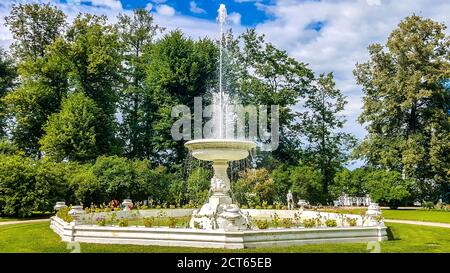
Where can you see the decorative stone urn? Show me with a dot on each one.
(373, 213)
(219, 212)
(77, 213)
(127, 204)
(59, 205)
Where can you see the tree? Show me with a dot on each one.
(254, 187)
(388, 188)
(8, 75)
(179, 70)
(349, 182)
(307, 184)
(281, 176)
(136, 35)
(43, 84)
(327, 147)
(198, 184)
(28, 185)
(30, 105)
(73, 133)
(94, 56)
(261, 74)
(406, 103)
(34, 27)
(85, 186)
(116, 177)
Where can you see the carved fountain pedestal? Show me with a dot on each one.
(219, 212)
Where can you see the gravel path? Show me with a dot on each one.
(420, 223)
(23, 222)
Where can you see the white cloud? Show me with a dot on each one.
(165, 10)
(114, 4)
(235, 18)
(149, 6)
(349, 26)
(195, 9)
(374, 2)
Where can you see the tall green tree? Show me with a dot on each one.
(73, 133)
(44, 83)
(136, 34)
(94, 56)
(406, 104)
(8, 75)
(42, 73)
(179, 70)
(307, 184)
(34, 27)
(261, 74)
(327, 146)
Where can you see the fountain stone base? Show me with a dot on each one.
(220, 212)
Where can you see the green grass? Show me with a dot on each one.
(418, 215)
(38, 237)
(36, 215)
(405, 214)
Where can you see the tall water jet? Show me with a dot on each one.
(220, 212)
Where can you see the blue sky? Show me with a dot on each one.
(204, 9)
(328, 35)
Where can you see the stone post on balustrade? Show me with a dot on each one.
(374, 215)
(77, 213)
(59, 205)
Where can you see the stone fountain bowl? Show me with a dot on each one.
(220, 149)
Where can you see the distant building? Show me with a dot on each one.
(349, 201)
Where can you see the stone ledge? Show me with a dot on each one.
(213, 238)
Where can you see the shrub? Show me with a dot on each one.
(264, 204)
(388, 188)
(148, 221)
(275, 220)
(287, 223)
(262, 224)
(307, 183)
(123, 222)
(197, 184)
(101, 221)
(197, 225)
(27, 185)
(352, 221)
(278, 206)
(253, 187)
(113, 218)
(331, 223)
(63, 214)
(309, 223)
(173, 222)
(427, 205)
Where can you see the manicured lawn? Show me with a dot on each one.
(36, 215)
(418, 215)
(38, 237)
(406, 214)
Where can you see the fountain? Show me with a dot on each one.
(220, 223)
(219, 212)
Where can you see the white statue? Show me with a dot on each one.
(290, 200)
